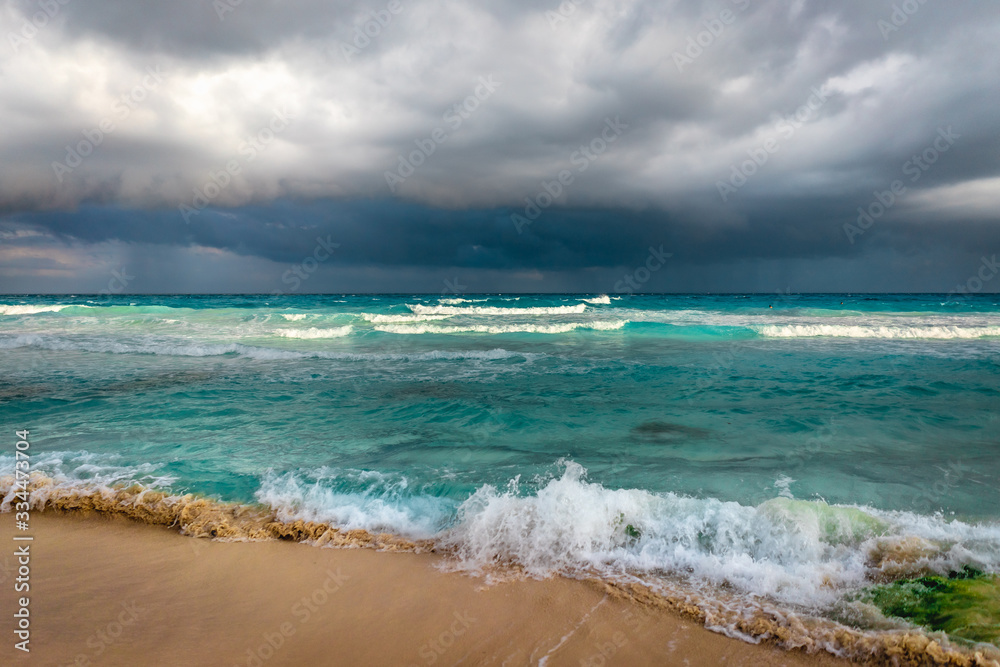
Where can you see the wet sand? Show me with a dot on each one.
(109, 591)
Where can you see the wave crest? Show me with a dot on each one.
(313, 332)
(496, 310)
(33, 310)
(873, 331)
(565, 327)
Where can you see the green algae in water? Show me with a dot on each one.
(834, 524)
(632, 534)
(965, 604)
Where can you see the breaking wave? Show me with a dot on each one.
(502, 328)
(775, 570)
(313, 332)
(32, 310)
(496, 310)
(874, 331)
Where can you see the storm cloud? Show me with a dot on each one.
(536, 147)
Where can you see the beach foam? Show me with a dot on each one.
(355, 499)
(659, 549)
(805, 553)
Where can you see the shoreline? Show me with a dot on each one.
(108, 590)
(190, 518)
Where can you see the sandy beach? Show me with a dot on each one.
(108, 591)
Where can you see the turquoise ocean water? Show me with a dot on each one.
(720, 439)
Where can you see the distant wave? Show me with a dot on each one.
(565, 327)
(604, 299)
(455, 302)
(32, 310)
(313, 332)
(872, 331)
(294, 317)
(394, 319)
(494, 310)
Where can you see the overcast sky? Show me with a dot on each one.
(412, 145)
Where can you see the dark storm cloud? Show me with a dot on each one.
(309, 116)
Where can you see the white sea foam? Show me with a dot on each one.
(336, 332)
(353, 499)
(835, 324)
(294, 317)
(495, 310)
(797, 552)
(32, 310)
(876, 331)
(396, 319)
(604, 299)
(455, 302)
(84, 471)
(800, 552)
(564, 327)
